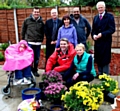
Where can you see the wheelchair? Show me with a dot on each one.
(6, 90)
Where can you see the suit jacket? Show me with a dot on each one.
(102, 46)
(49, 30)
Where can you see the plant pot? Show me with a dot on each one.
(29, 93)
(118, 101)
(56, 101)
(56, 108)
(116, 109)
(42, 86)
(109, 97)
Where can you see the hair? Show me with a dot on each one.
(54, 10)
(76, 8)
(35, 7)
(64, 39)
(66, 17)
(100, 3)
(80, 45)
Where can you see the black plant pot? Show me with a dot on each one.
(42, 86)
(108, 97)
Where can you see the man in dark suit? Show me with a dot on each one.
(51, 29)
(102, 29)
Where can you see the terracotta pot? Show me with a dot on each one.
(118, 101)
(116, 109)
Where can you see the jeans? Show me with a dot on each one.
(36, 49)
(26, 72)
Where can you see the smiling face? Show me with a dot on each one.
(76, 13)
(63, 45)
(80, 48)
(67, 22)
(54, 14)
(101, 9)
(36, 13)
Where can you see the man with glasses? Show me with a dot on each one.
(62, 57)
(33, 33)
(82, 26)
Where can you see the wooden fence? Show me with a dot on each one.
(9, 25)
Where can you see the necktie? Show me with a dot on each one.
(100, 16)
(54, 30)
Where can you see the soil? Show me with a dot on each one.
(114, 65)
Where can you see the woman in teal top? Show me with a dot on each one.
(82, 68)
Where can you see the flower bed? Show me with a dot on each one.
(114, 65)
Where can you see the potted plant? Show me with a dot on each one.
(110, 87)
(54, 92)
(52, 77)
(82, 96)
(109, 84)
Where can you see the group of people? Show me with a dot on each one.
(66, 42)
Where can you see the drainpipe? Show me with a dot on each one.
(16, 26)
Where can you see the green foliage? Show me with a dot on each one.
(1, 56)
(3, 46)
(8, 4)
(89, 44)
(109, 3)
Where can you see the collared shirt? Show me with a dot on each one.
(102, 14)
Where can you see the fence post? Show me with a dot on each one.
(16, 26)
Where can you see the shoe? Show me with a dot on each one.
(19, 81)
(26, 81)
(36, 74)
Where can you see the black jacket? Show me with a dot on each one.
(102, 46)
(33, 30)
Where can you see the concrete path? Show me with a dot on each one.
(11, 104)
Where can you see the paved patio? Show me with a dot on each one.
(11, 103)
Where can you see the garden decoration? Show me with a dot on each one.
(82, 96)
(54, 92)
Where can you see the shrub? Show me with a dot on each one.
(1, 56)
(3, 46)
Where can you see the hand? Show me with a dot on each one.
(95, 37)
(99, 35)
(75, 76)
(53, 42)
